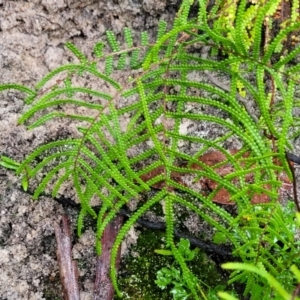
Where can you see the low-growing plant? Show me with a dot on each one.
(241, 83)
(172, 275)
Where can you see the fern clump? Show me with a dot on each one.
(116, 163)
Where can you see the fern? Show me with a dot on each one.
(161, 98)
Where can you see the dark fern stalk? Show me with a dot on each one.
(98, 163)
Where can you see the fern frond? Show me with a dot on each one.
(274, 44)
(258, 25)
(79, 68)
(133, 218)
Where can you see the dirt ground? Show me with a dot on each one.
(32, 37)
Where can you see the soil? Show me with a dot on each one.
(32, 38)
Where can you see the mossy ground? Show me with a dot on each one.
(138, 270)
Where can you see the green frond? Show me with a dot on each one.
(57, 102)
(60, 181)
(162, 26)
(183, 12)
(109, 61)
(268, 9)
(286, 59)
(185, 270)
(77, 53)
(128, 37)
(84, 201)
(240, 32)
(112, 41)
(288, 120)
(122, 61)
(294, 11)
(64, 144)
(68, 85)
(73, 68)
(98, 49)
(18, 87)
(134, 59)
(169, 219)
(278, 39)
(144, 38)
(125, 228)
(50, 176)
(149, 120)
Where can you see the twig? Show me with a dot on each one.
(292, 158)
(103, 289)
(67, 267)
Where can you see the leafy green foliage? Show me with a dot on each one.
(108, 160)
(173, 276)
(280, 292)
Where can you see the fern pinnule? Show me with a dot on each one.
(287, 59)
(45, 101)
(226, 217)
(162, 26)
(46, 180)
(144, 38)
(148, 120)
(287, 122)
(77, 53)
(134, 59)
(98, 49)
(122, 61)
(63, 178)
(128, 37)
(284, 60)
(169, 219)
(64, 144)
(58, 102)
(84, 201)
(214, 35)
(153, 56)
(73, 68)
(109, 62)
(183, 13)
(13, 86)
(240, 28)
(50, 116)
(112, 41)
